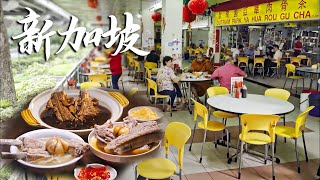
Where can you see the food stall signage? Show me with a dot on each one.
(276, 11)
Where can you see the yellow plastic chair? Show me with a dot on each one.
(206, 125)
(147, 74)
(132, 91)
(219, 90)
(137, 70)
(277, 68)
(280, 94)
(253, 128)
(150, 65)
(305, 57)
(176, 134)
(257, 61)
(103, 79)
(295, 60)
(296, 132)
(243, 60)
(86, 85)
(290, 74)
(153, 85)
(130, 64)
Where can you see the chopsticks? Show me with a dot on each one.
(12, 142)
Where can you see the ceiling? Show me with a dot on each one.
(113, 7)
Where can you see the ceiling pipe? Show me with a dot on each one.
(55, 9)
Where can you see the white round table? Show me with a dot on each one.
(192, 78)
(253, 104)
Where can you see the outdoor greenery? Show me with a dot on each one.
(32, 75)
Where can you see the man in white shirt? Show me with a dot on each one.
(236, 53)
(272, 61)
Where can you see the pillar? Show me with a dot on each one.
(147, 30)
(171, 25)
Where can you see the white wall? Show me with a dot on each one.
(224, 37)
(198, 34)
(254, 37)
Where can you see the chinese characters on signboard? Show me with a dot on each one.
(276, 11)
(32, 37)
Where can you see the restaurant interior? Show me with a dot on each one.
(212, 97)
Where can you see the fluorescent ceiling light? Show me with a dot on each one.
(156, 6)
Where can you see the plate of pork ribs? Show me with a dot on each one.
(75, 111)
(46, 148)
(122, 142)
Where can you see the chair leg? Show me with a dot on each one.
(297, 156)
(285, 83)
(265, 153)
(275, 147)
(272, 161)
(180, 174)
(240, 160)
(227, 142)
(297, 87)
(302, 84)
(135, 173)
(194, 130)
(284, 123)
(305, 148)
(291, 84)
(215, 140)
(204, 139)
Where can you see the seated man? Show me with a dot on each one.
(153, 57)
(272, 62)
(224, 73)
(200, 65)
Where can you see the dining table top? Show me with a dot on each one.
(192, 78)
(309, 70)
(253, 104)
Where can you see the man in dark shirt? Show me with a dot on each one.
(153, 57)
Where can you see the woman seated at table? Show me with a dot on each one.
(200, 64)
(166, 79)
(224, 73)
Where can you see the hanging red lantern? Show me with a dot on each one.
(198, 6)
(156, 16)
(98, 18)
(92, 3)
(187, 16)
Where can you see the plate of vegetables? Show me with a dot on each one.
(94, 172)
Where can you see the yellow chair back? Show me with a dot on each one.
(278, 93)
(100, 59)
(259, 122)
(200, 110)
(150, 65)
(132, 91)
(86, 85)
(302, 56)
(243, 60)
(152, 85)
(295, 60)
(258, 60)
(177, 134)
(301, 120)
(107, 51)
(314, 66)
(148, 72)
(278, 63)
(100, 78)
(290, 69)
(137, 66)
(130, 61)
(217, 90)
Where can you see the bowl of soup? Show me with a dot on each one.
(39, 155)
(74, 110)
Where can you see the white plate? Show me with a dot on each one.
(154, 109)
(48, 133)
(113, 172)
